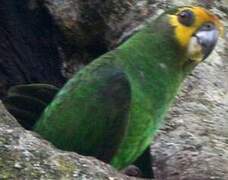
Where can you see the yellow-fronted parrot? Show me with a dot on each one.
(112, 108)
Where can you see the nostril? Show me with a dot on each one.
(208, 27)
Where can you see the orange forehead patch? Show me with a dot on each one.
(201, 16)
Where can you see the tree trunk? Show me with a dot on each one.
(29, 46)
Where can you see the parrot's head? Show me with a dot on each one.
(195, 29)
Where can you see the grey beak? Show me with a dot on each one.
(207, 37)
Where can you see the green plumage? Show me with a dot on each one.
(112, 107)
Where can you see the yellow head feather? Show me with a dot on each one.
(201, 16)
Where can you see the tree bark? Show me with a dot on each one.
(193, 143)
(29, 46)
(24, 155)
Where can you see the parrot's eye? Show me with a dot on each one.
(186, 17)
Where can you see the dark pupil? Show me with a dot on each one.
(186, 18)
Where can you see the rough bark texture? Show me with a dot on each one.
(194, 142)
(28, 48)
(192, 145)
(94, 26)
(25, 156)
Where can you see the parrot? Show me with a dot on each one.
(112, 108)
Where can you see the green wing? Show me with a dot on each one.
(89, 115)
(27, 102)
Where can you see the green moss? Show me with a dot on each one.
(5, 172)
(66, 167)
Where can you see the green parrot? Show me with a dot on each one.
(112, 108)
